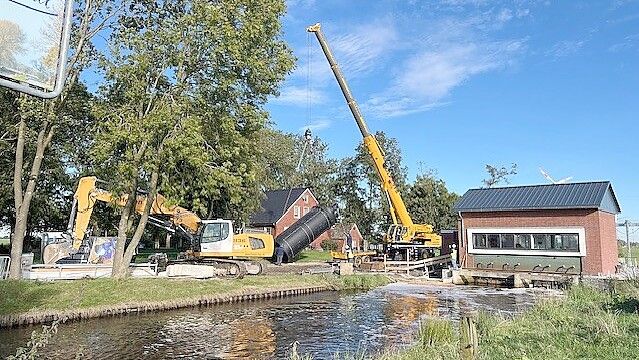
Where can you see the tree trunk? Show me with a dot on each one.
(124, 253)
(23, 200)
(123, 228)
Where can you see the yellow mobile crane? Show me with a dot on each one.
(212, 241)
(403, 233)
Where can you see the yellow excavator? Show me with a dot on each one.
(420, 239)
(212, 241)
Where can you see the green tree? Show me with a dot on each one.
(290, 160)
(36, 121)
(497, 175)
(359, 191)
(351, 194)
(430, 202)
(182, 106)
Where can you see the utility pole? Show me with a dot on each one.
(628, 240)
(628, 224)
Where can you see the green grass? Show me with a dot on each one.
(588, 324)
(314, 256)
(634, 251)
(32, 296)
(4, 241)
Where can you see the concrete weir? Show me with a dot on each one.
(512, 279)
(44, 317)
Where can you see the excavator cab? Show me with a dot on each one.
(216, 236)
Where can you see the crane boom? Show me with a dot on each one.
(404, 230)
(399, 213)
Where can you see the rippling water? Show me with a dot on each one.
(322, 324)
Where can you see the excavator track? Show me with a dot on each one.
(211, 267)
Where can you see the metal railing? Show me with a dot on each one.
(408, 265)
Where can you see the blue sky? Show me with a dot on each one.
(464, 83)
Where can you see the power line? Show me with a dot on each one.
(32, 8)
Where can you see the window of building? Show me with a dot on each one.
(306, 210)
(522, 241)
(296, 212)
(568, 242)
(479, 241)
(507, 241)
(493, 241)
(542, 241)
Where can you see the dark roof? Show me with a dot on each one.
(587, 195)
(273, 206)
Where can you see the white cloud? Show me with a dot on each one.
(454, 50)
(629, 42)
(360, 49)
(357, 53)
(301, 3)
(565, 48)
(317, 125)
(505, 15)
(299, 96)
(389, 106)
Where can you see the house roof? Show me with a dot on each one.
(586, 195)
(273, 206)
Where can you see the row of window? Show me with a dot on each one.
(554, 242)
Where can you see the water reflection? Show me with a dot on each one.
(322, 324)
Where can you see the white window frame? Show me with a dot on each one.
(296, 211)
(306, 210)
(581, 233)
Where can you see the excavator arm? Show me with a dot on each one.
(87, 194)
(403, 228)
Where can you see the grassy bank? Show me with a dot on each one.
(314, 256)
(588, 324)
(18, 297)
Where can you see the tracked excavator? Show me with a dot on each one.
(403, 236)
(212, 242)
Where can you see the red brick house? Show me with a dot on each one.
(336, 233)
(555, 228)
(282, 208)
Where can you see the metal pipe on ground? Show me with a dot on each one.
(303, 232)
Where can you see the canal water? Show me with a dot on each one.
(322, 324)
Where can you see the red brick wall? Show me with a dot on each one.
(289, 217)
(601, 240)
(609, 249)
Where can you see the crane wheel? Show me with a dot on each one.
(357, 261)
(366, 259)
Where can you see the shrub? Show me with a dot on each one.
(329, 245)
